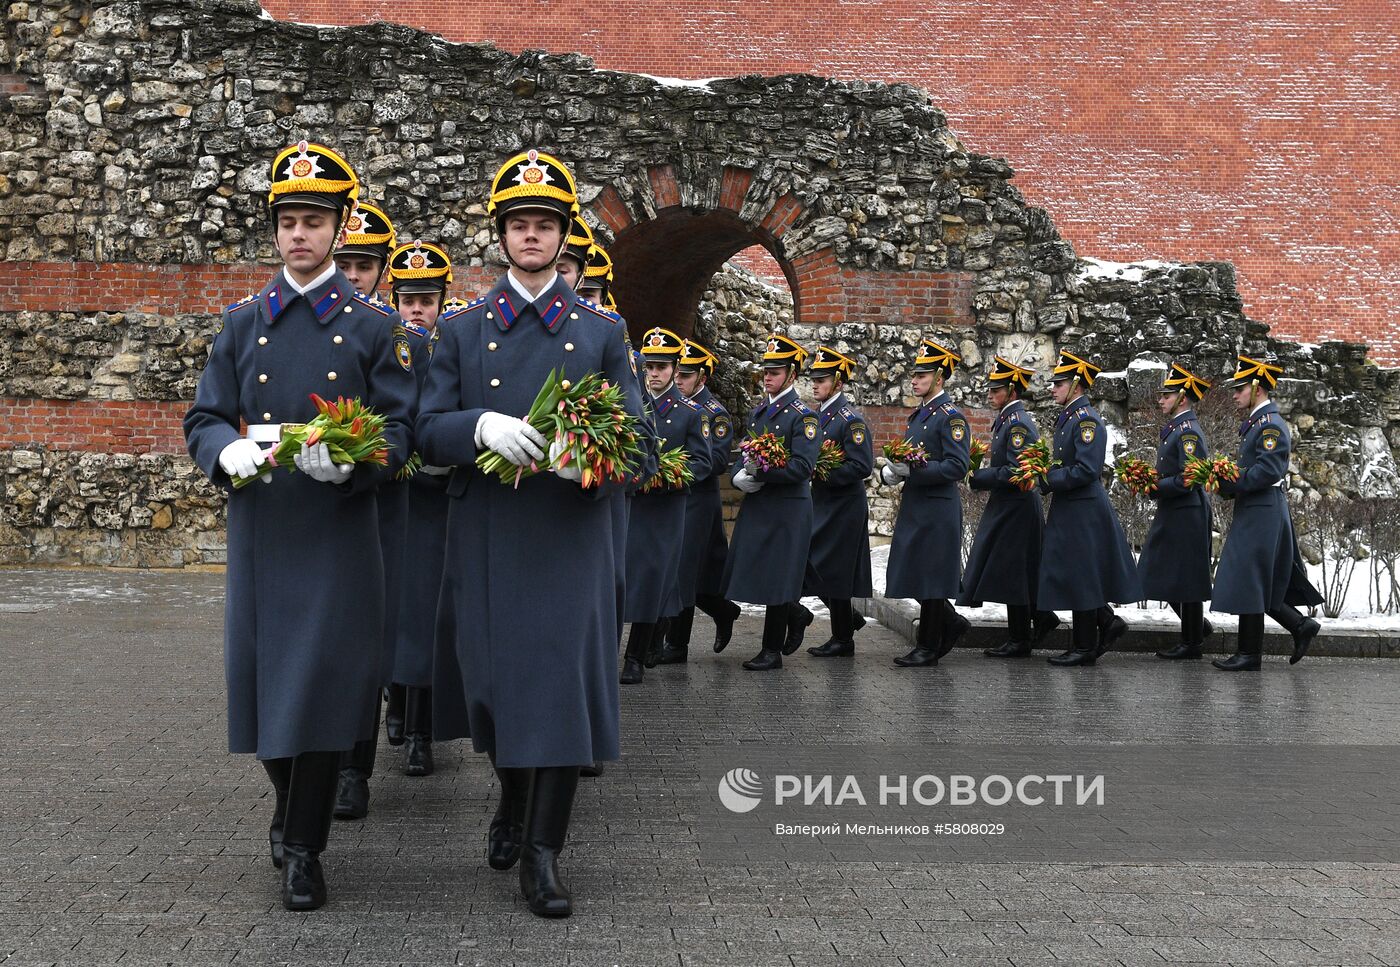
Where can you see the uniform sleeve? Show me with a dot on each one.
(1188, 445)
(860, 457)
(617, 368)
(392, 393)
(1271, 449)
(697, 444)
(802, 449)
(445, 432)
(212, 421)
(952, 468)
(721, 445)
(1083, 469)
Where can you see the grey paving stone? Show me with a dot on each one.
(130, 836)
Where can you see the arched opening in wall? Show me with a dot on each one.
(663, 266)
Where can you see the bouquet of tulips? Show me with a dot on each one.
(1032, 465)
(902, 451)
(591, 418)
(977, 451)
(1209, 472)
(1137, 475)
(351, 431)
(764, 452)
(672, 472)
(830, 457)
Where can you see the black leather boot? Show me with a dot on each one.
(857, 620)
(676, 649)
(418, 723)
(1192, 632)
(724, 613)
(1302, 628)
(1084, 635)
(638, 640)
(842, 643)
(927, 639)
(798, 620)
(310, 799)
(393, 714)
(1018, 629)
(546, 828)
(775, 631)
(593, 770)
(1249, 646)
(280, 772)
(508, 825)
(1111, 628)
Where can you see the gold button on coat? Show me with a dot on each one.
(262, 340)
(262, 377)
(267, 417)
(495, 382)
(330, 375)
(491, 346)
(568, 347)
(338, 340)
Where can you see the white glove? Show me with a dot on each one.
(571, 472)
(512, 438)
(744, 481)
(317, 464)
(888, 475)
(242, 458)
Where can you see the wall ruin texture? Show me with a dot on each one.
(133, 151)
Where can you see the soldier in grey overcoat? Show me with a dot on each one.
(656, 523)
(706, 547)
(768, 556)
(528, 618)
(839, 557)
(1174, 565)
(1004, 564)
(1261, 571)
(305, 598)
(1086, 563)
(420, 272)
(926, 552)
(363, 257)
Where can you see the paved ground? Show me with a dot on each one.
(128, 835)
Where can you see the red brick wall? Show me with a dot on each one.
(1261, 133)
(103, 427)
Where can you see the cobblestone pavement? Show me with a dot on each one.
(128, 835)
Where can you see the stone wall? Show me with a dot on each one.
(133, 151)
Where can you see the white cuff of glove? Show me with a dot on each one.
(570, 472)
(888, 476)
(512, 438)
(317, 464)
(242, 458)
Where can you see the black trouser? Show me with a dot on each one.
(1251, 634)
(1288, 617)
(775, 624)
(1086, 627)
(1018, 623)
(361, 755)
(639, 640)
(843, 618)
(1193, 620)
(418, 711)
(310, 798)
(679, 632)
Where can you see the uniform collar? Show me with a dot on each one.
(1005, 412)
(505, 302)
(303, 289)
(702, 395)
(782, 397)
(524, 293)
(837, 398)
(326, 295)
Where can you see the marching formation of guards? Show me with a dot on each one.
(441, 617)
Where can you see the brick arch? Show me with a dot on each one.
(672, 239)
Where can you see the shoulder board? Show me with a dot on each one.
(690, 403)
(1015, 417)
(414, 328)
(456, 311)
(598, 310)
(247, 300)
(847, 412)
(1084, 411)
(714, 406)
(383, 310)
(801, 407)
(950, 409)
